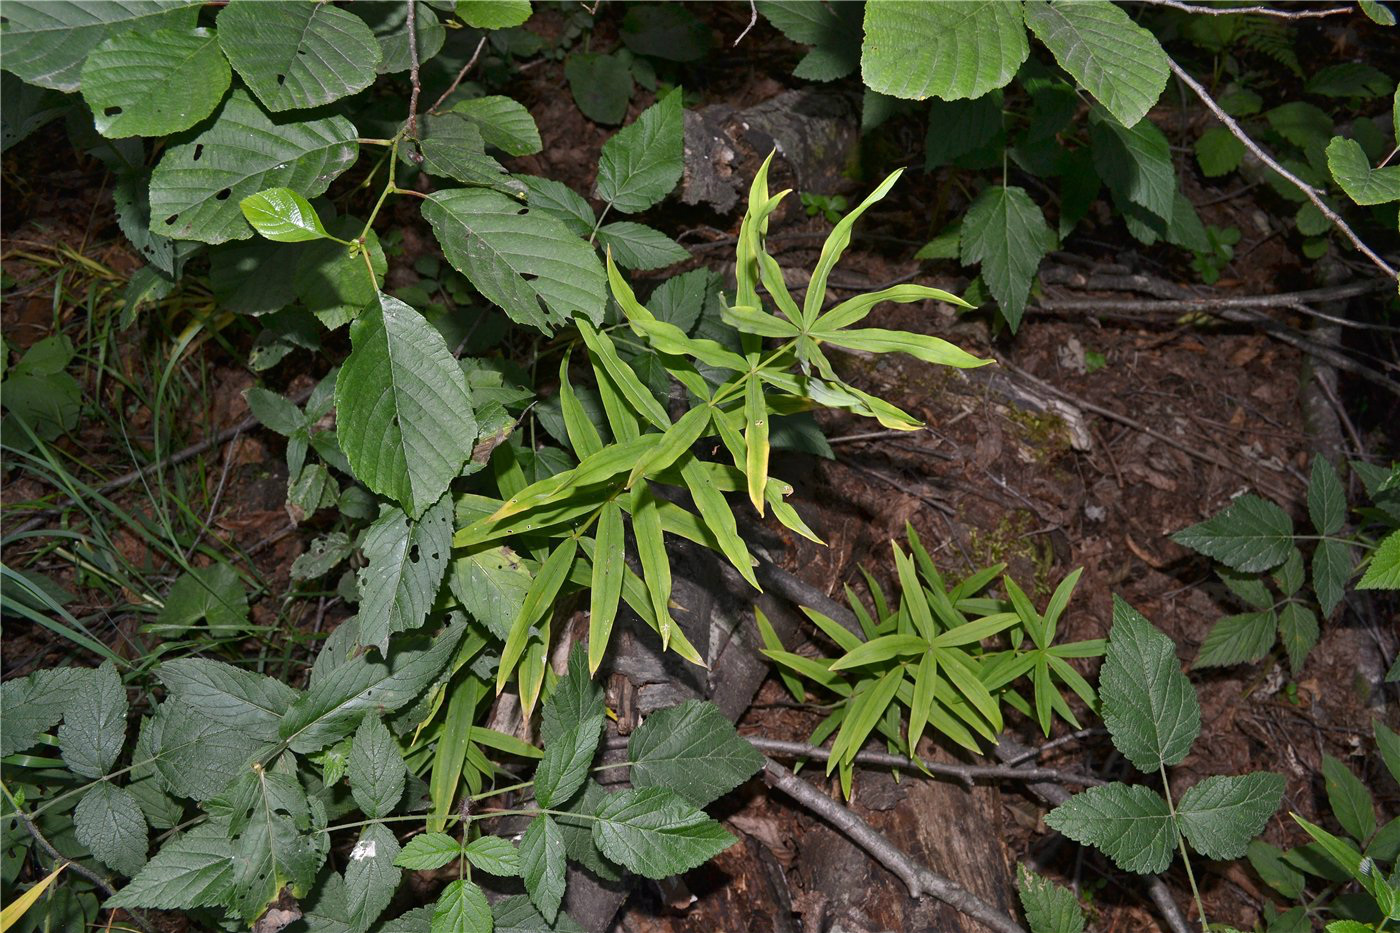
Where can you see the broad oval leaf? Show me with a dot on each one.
(1149, 706)
(462, 908)
(1347, 162)
(282, 215)
(642, 163)
(194, 870)
(197, 187)
(1250, 535)
(376, 769)
(542, 864)
(656, 833)
(527, 263)
(1131, 824)
(1220, 815)
(504, 123)
(403, 414)
(296, 55)
(951, 49)
(693, 750)
(94, 724)
(186, 66)
(109, 822)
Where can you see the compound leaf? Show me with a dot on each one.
(564, 767)
(1250, 535)
(406, 561)
(656, 833)
(950, 50)
(1220, 815)
(1331, 567)
(642, 162)
(298, 55)
(1005, 231)
(637, 246)
(462, 908)
(427, 851)
(30, 706)
(403, 414)
(1149, 706)
(1238, 639)
(1131, 824)
(185, 64)
(693, 750)
(1297, 629)
(1327, 502)
(493, 855)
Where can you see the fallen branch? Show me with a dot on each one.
(918, 878)
(968, 774)
(1256, 10)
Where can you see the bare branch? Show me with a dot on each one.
(413, 76)
(460, 75)
(965, 773)
(1257, 10)
(916, 877)
(1308, 191)
(753, 20)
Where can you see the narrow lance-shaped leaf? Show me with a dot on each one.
(539, 601)
(756, 444)
(651, 551)
(607, 582)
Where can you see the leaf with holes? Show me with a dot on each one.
(187, 66)
(197, 187)
(298, 55)
(527, 263)
(406, 560)
(403, 414)
(915, 50)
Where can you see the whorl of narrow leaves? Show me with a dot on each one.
(1149, 706)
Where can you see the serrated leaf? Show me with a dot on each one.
(213, 594)
(834, 31)
(1132, 825)
(491, 584)
(493, 14)
(406, 560)
(250, 702)
(693, 750)
(427, 851)
(94, 724)
(388, 20)
(109, 822)
(298, 55)
(518, 261)
(1218, 152)
(1238, 639)
(1347, 162)
(504, 123)
(1327, 502)
(252, 276)
(564, 767)
(1250, 535)
(1349, 799)
(1049, 907)
(1149, 706)
(30, 706)
(403, 414)
(1297, 629)
(655, 833)
(1136, 163)
(321, 556)
(371, 877)
(333, 706)
(576, 698)
(642, 162)
(950, 50)
(1331, 567)
(559, 200)
(47, 41)
(1383, 572)
(542, 865)
(197, 186)
(1388, 744)
(282, 215)
(193, 870)
(199, 756)
(1268, 862)
(959, 127)
(376, 769)
(185, 64)
(462, 908)
(637, 246)
(1005, 231)
(1111, 57)
(270, 824)
(494, 855)
(601, 85)
(1220, 815)
(516, 915)
(454, 147)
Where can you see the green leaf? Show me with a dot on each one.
(666, 31)
(493, 14)
(560, 201)
(282, 215)
(250, 702)
(642, 162)
(454, 147)
(1238, 639)
(333, 706)
(46, 42)
(601, 85)
(30, 706)
(1268, 862)
(1349, 799)
(370, 876)
(197, 186)
(1218, 152)
(1130, 824)
(606, 588)
(564, 767)
(693, 750)
(214, 594)
(1327, 502)
(504, 123)
(651, 553)
(493, 855)
(428, 851)
(1350, 79)
(270, 823)
(882, 649)
(1388, 744)
(833, 30)
(94, 724)
(950, 50)
(1250, 535)
(192, 870)
(934, 350)
(118, 77)
(518, 260)
(959, 127)
(388, 20)
(1297, 629)
(515, 914)
(655, 833)
(1111, 57)
(1351, 168)
(406, 560)
(1149, 706)
(462, 908)
(1331, 565)
(109, 822)
(1136, 163)
(1005, 231)
(1220, 815)
(298, 55)
(1383, 572)
(491, 584)
(200, 756)
(1377, 12)
(637, 246)
(403, 414)
(332, 281)
(1049, 907)
(376, 769)
(542, 865)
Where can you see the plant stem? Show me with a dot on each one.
(1181, 846)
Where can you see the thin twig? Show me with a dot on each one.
(1257, 10)
(1308, 190)
(968, 774)
(753, 21)
(413, 75)
(1182, 305)
(460, 75)
(918, 878)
